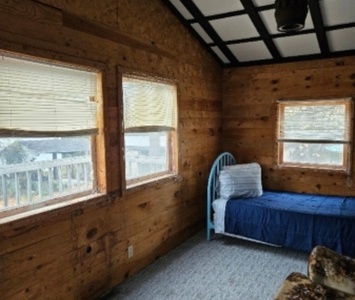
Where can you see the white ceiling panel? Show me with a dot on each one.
(182, 9)
(268, 17)
(234, 28)
(214, 7)
(297, 45)
(220, 54)
(244, 32)
(202, 33)
(337, 11)
(342, 39)
(250, 51)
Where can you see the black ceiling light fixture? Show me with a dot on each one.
(290, 15)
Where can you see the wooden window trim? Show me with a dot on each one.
(97, 141)
(160, 177)
(346, 165)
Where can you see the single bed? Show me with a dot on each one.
(293, 220)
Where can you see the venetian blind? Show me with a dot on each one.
(149, 106)
(318, 121)
(38, 99)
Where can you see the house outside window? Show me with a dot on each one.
(150, 135)
(315, 134)
(48, 120)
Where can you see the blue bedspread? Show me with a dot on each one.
(297, 221)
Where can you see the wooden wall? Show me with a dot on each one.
(249, 117)
(79, 251)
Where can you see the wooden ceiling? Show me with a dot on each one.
(243, 32)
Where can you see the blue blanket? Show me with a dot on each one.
(297, 221)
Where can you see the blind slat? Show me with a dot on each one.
(313, 141)
(327, 121)
(39, 133)
(148, 106)
(40, 99)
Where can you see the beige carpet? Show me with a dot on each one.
(224, 268)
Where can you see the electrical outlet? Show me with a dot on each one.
(130, 251)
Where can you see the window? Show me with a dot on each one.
(315, 134)
(149, 108)
(48, 119)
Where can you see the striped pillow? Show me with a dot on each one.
(243, 180)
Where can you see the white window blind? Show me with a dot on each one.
(315, 121)
(38, 99)
(315, 133)
(148, 106)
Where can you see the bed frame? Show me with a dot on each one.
(224, 159)
(333, 217)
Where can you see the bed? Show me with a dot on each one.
(292, 220)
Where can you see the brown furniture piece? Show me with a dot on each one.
(331, 276)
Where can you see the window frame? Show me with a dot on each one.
(96, 140)
(172, 136)
(346, 165)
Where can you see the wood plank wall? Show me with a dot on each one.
(79, 251)
(250, 119)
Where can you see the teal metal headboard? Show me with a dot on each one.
(224, 159)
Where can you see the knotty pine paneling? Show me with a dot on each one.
(79, 250)
(250, 117)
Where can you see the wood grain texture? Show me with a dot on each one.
(90, 27)
(250, 117)
(32, 11)
(79, 250)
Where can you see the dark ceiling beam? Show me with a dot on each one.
(273, 36)
(265, 7)
(199, 17)
(260, 27)
(187, 24)
(252, 11)
(237, 13)
(340, 26)
(243, 41)
(292, 33)
(226, 15)
(309, 57)
(318, 25)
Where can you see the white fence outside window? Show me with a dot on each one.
(28, 183)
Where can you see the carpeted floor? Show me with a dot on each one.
(224, 268)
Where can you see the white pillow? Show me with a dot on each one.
(243, 180)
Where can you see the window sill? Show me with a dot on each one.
(153, 182)
(309, 168)
(11, 215)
